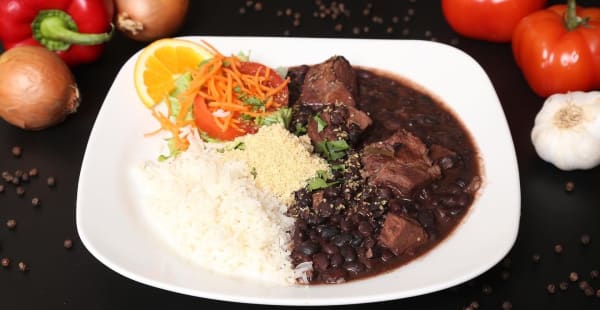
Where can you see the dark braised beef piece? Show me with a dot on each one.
(400, 162)
(328, 95)
(401, 234)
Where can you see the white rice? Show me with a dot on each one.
(211, 212)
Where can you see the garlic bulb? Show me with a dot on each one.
(566, 132)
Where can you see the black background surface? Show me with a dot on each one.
(74, 279)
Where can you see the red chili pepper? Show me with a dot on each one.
(74, 29)
(558, 49)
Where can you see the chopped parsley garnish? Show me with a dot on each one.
(300, 129)
(240, 146)
(321, 124)
(205, 137)
(333, 150)
(320, 181)
(253, 172)
(281, 116)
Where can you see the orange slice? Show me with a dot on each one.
(160, 63)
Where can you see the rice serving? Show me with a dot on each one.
(211, 212)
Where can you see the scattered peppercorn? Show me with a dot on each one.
(505, 275)
(563, 286)
(598, 293)
(558, 248)
(585, 239)
(507, 305)
(67, 244)
(5, 262)
(242, 11)
(16, 151)
(258, 6)
(35, 202)
(20, 190)
(11, 224)
(573, 277)
(51, 181)
(536, 258)
(1, 188)
(551, 288)
(589, 292)
(23, 267)
(474, 304)
(594, 274)
(583, 285)
(33, 172)
(487, 289)
(569, 186)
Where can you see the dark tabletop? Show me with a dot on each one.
(60, 278)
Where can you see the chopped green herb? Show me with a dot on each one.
(320, 181)
(254, 102)
(333, 150)
(239, 146)
(300, 129)
(281, 116)
(253, 172)
(338, 167)
(226, 64)
(321, 124)
(205, 137)
(246, 117)
(237, 89)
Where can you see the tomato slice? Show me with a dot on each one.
(251, 68)
(204, 118)
(205, 121)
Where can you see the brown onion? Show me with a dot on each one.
(37, 89)
(148, 20)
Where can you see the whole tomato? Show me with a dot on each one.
(490, 20)
(558, 49)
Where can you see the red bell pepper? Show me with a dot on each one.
(490, 20)
(558, 49)
(74, 29)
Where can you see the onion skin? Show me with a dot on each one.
(148, 20)
(37, 89)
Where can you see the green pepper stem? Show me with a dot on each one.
(57, 30)
(572, 21)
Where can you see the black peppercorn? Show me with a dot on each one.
(5, 262)
(551, 288)
(67, 244)
(585, 239)
(11, 224)
(558, 248)
(51, 181)
(23, 267)
(569, 186)
(16, 151)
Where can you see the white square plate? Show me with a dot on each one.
(112, 227)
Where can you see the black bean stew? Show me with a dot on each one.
(404, 171)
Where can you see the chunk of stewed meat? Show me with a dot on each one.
(329, 82)
(400, 162)
(401, 234)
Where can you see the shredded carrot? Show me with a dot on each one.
(224, 86)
